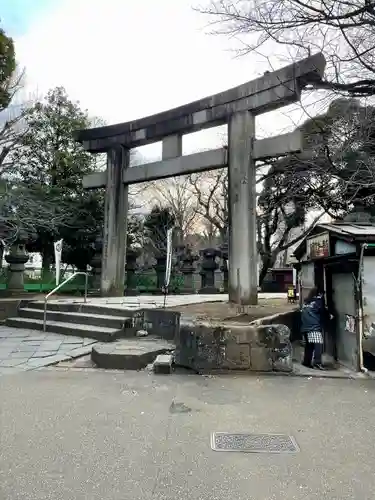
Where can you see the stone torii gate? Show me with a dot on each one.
(236, 107)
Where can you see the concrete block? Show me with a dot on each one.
(128, 354)
(261, 359)
(241, 334)
(163, 363)
(237, 356)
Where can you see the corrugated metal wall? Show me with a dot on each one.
(368, 295)
(345, 306)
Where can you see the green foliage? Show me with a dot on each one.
(50, 161)
(49, 155)
(82, 228)
(7, 68)
(147, 282)
(156, 226)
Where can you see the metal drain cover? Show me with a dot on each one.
(253, 443)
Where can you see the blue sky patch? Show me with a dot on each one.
(17, 15)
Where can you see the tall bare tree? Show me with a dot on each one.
(283, 203)
(175, 195)
(211, 193)
(343, 30)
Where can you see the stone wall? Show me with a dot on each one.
(9, 308)
(260, 346)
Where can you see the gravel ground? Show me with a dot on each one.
(224, 311)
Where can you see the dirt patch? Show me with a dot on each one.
(223, 311)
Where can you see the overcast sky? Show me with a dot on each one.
(124, 59)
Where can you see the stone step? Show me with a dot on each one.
(75, 317)
(129, 354)
(160, 322)
(80, 306)
(100, 333)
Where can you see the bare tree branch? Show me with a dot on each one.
(344, 31)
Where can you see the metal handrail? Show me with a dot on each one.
(58, 288)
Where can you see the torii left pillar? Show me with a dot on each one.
(115, 224)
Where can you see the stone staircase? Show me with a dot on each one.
(104, 324)
(80, 320)
(115, 329)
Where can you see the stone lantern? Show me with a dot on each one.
(17, 259)
(160, 266)
(208, 268)
(187, 268)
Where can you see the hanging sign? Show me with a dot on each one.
(58, 251)
(318, 246)
(168, 266)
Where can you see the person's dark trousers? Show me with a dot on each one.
(313, 349)
(318, 351)
(308, 355)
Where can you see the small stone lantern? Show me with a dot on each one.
(187, 268)
(208, 268)
(17, 259)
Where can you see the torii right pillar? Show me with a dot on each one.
(243, 268)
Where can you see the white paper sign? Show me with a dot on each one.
(58, 251)
(168, 266)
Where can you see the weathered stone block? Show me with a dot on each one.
(276, 338)
(240, 334)
(237, 356)
(206, 346)
(261, 359)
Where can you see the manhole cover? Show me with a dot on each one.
(253, 443)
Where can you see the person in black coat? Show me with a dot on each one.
(314, 316)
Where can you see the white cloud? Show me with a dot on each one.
(124, 59)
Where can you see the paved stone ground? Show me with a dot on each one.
(22, 349)
(85, 434)
(154, 301)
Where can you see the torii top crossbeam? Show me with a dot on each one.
(266, 93)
